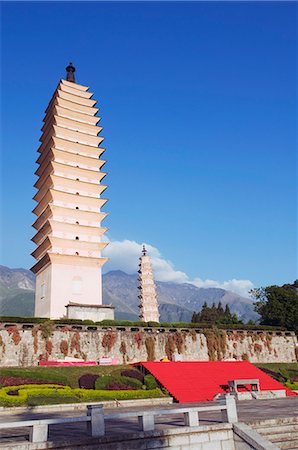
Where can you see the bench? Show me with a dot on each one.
(254, 384)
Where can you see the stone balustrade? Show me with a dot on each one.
(95, 418)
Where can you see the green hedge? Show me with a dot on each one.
(104, 381)
(33, 395)
(293, 386)
(128, 323)
(12, 319)
(150, 382)
(87, 395)
(51, 398)
(28, 389)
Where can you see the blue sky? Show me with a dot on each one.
(199, 107)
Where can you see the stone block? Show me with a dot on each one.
(193, 447)
(146, 423)
(176, 448)
(154, 443)
(182, 440)
(211, 446)
(221, 435)
(191, 419)
(231, 409)
(228, 445)
(198, 437)
(96, 427)
(38, 433)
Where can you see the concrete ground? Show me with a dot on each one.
(248, 411)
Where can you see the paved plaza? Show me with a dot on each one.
(248, 411)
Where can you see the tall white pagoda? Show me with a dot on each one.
(68, 225)
(147, 295)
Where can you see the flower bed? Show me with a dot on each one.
(34, 395)
(16, 381)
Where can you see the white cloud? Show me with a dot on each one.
(124, 255)
(241, 287)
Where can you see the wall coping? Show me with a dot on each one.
(82, 406)
(132, 328)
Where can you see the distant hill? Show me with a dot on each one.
(177, 301)
(16, 292)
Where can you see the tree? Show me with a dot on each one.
(215, 315)
(278, 305)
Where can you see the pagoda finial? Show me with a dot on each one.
(70, 69)
(144, 251)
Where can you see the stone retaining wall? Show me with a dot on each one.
(25, 344)
(206, 437)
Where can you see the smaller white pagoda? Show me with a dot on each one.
(148, 298)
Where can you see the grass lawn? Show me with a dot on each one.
(278, 366)
(285, 373)
(66, 375)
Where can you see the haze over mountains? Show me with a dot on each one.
(177, 301)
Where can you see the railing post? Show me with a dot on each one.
(38, 433)
(191, 419)
(96, 426)
(231, 413)
(146, 423)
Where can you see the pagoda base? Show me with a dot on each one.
(90, 312)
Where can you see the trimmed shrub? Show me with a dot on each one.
(34, 395)
(153, 324)
(293, 386)
(34, 386)
(150, 382)
(133, 373)
(87, 381)
(51, 398)
(117, 382)
(18, 395)
(99, 395)
(126, 323)
(121, 323)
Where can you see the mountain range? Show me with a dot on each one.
(176, 301)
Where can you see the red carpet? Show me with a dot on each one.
(201, 381)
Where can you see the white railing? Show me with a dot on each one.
(95, 418)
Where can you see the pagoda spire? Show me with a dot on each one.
(70, 70)
(68, 231)
(148, 298)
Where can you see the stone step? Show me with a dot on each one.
(276, 429)
(287, 436)
(262, 395)
(287, 445)
(244, 396)
(275, 422)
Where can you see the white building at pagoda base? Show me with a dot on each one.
(69, 232)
